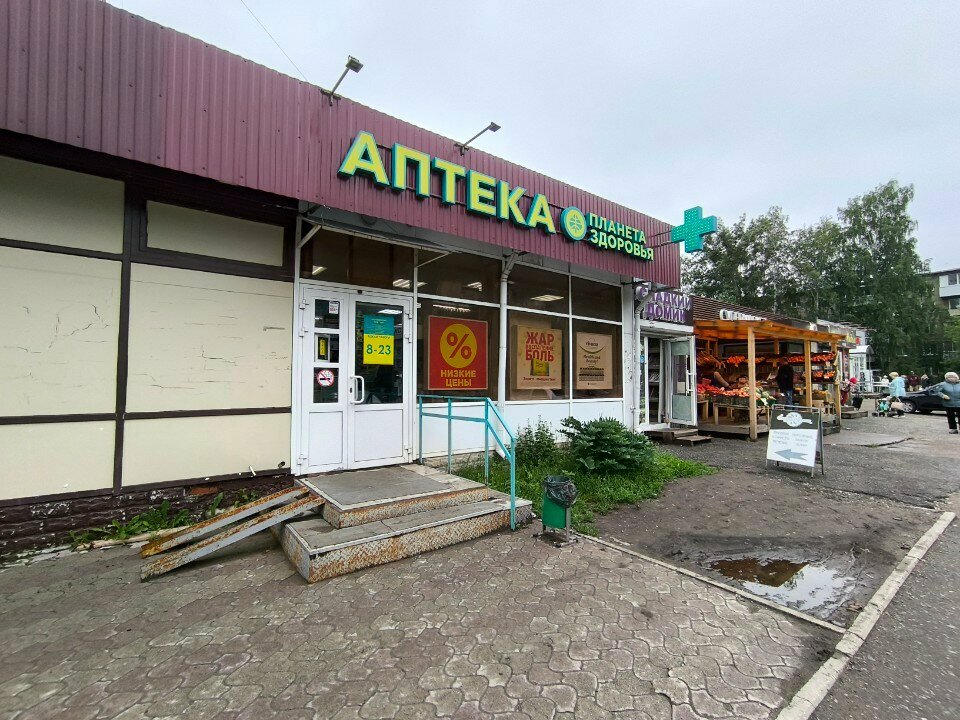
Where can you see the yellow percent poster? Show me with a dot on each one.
(377, 340)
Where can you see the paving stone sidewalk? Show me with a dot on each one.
(502, 627)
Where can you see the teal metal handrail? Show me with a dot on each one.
(488, 407)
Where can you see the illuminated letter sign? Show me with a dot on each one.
(487, 196)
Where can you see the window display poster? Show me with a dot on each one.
(539, 358)
(594, 361)
(457, 354)
(378, 340)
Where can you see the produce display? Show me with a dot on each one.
(741, 359)
(705, 358)
(762, 396)
(821, 358)
(818, 359)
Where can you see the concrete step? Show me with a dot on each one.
(671, 435)
(320, 551)
(853, 414)
(692, 439)
(357, 498)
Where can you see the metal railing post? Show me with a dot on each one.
(513, 487)
(489, 408)
(420, 423)
(450, 435)
(486, 441)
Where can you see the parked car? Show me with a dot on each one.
(923, 401)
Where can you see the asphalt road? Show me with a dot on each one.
(923, 470)
(909, 667)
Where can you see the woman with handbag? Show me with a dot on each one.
(896, 391)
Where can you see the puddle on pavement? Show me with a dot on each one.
(818, 588)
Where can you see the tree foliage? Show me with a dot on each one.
(861, 267)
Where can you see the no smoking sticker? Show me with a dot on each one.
(325, 378)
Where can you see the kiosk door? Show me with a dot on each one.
(682, 379)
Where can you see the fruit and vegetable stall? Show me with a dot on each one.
(815, 372)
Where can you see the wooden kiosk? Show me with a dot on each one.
(715, 332)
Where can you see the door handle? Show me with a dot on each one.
(361, 389)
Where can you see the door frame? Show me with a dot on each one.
(355, 293)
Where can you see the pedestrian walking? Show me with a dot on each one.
(924, 381)
(950, 392)
(785, 382)
(896, 391)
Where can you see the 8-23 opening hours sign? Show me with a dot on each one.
(457, 354)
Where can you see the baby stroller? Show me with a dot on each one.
(883, 407)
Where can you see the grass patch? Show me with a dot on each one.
(154, 519)
(599, 493)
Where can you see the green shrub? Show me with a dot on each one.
(606, 446)
(536, 444)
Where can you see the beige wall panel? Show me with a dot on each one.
(193, 231)
(54, 458)
(58, 333)
(184, 448)
(43, 204)
(202, 341)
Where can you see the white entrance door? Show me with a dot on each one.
(682, 379)
(356, 390)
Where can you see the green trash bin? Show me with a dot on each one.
(559, 495)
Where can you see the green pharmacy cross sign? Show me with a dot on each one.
(694, 227)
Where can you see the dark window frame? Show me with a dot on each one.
(142, 253)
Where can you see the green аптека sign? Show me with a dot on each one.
(488, 196)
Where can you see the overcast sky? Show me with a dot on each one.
(735, 106)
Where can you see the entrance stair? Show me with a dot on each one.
(679, 436)
(373, 517)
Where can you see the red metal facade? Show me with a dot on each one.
(84, 73)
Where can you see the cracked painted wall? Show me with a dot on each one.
(200, 341)
(58, 333)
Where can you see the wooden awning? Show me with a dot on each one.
(737, 330)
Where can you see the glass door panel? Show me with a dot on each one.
(683, 396)
(379, 353)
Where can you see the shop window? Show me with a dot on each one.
(340, 258)
(457, 347)
(536, 289)
(597, 360)
(537, 357)
(461, 276)
(596, 300)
